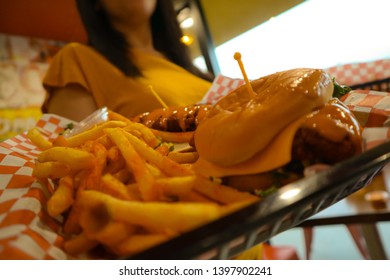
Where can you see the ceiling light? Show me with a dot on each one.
(187, 23)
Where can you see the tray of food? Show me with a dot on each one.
(202, 182)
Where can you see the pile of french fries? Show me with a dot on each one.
(120, 186)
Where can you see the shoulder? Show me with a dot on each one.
(76, 49)
(79, 55)
(74, 63)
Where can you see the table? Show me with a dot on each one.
(355, 210)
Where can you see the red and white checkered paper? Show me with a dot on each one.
(370, 107)
(28, 232)
(221, 86)
(359, 73)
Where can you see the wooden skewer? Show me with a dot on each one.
(157, 96)
(237, 56)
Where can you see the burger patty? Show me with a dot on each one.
(309, 147)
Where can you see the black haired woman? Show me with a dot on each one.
(132, 46)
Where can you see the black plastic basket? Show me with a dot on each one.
(378, 85)
(233, 234)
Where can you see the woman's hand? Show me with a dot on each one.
(72, 102)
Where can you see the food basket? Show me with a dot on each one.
(288, 207)
(379, 85)
(26, 231)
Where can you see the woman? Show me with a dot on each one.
(134, 47)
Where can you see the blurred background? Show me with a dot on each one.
(282, 34)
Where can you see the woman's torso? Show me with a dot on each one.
(80, 64)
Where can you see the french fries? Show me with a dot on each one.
(51, 169)
(179, 217)
(120, 185)
(138, 242)
(62, 198)
(38, 140)
(114, 187)
(175, 186)
(188, 157)
(75, 158)
(79, 244)
(92, 133)
(168, 166)
(176, 137)
(135, 163)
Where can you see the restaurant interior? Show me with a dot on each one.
(347, 38)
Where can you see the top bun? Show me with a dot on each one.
(240, 124)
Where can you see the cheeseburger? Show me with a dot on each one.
(265, 139)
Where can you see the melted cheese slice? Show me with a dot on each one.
(276, 154)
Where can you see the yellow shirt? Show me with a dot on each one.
(82, 65)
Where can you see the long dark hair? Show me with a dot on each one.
(113, 45)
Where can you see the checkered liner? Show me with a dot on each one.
(26, 230)
(370, 107)
(221, 86)
(359, 73)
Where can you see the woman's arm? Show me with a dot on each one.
(72, 102)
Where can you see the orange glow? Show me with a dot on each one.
(187, 40)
